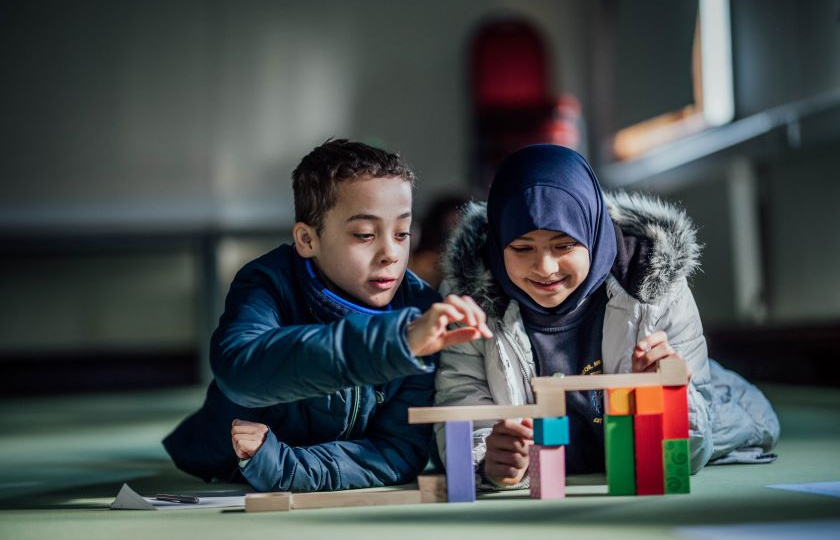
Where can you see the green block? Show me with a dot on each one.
(677, 466)
(551, 431)
(621, 464)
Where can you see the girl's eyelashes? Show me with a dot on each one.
(520, 249)
(364, 236)
(566, 246)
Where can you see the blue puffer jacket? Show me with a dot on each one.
(333, 382)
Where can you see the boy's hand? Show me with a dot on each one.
(247, 437)
(428, 333)
(650, 350)
(506, 460)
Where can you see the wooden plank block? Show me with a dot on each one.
(432, 488)
(547, 471)
(649, 400)
(460, 474)
(285, 501)
(595, 382)
(647, 431)
(619, 401)
(677, 465)
(671, 372)
(355, 497)
(676, 412)
(551, 431)
(620, 455)
(430, 415)
(280, 501)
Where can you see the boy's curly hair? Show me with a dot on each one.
(315, 180)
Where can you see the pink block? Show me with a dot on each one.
(547, 471)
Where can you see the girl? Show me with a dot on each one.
(575, 282)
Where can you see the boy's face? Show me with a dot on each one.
(363, 248)
(547, 265)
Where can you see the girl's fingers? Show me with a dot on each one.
(651, 341)
(513, 429)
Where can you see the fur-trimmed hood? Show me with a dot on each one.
(674, 252)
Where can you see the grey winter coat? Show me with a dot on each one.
(725, 411)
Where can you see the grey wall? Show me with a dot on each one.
(166, 114)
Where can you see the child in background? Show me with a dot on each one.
(322, 346)
(578, 283)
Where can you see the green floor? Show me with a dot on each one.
(62, 461)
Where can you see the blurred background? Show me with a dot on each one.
(146, 150)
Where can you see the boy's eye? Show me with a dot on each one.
(403, 235)
(364, 236)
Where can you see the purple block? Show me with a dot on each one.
(460, 475)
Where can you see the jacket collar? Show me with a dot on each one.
(660, 249)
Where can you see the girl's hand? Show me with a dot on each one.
(247, 437)
(428, 333)
(650, 350)
(506, 460)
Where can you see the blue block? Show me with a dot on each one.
(460, 475)
(551, 431)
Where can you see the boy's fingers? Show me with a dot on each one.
(463, 307)
(460, 335)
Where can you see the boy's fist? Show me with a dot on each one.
(428, 334)
(506, 460)
(247, 437)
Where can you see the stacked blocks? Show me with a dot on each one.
(547, 458)
(460, 475)
(646, 437)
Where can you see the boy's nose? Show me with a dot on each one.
(389, 254)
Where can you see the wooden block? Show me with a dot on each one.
(550, 403)
(285, 501)
(647, 431)
(618, 401)
(280, 501)
(676, 412)
(460, 474)
(595, 382)
(355, 497)
(677, 465)
(432, 488)
(547, 471)
(431, 415)
(551, 431)
(673, 372)
(620, 455)
(649, 400)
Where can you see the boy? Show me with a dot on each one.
(322, 348)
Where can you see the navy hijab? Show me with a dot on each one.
(552, 188)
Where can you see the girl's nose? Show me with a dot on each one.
(546, 264)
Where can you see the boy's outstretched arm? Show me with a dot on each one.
(259, 358)
(392, 452)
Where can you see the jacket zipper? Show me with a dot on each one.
(529, 395)
(356, 393)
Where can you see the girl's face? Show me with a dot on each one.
(547, 265)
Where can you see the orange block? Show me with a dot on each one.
(649, 400)
(618, 401)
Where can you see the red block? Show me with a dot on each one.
(675, 424)
(650, 476)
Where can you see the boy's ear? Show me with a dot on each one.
(306, 240)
